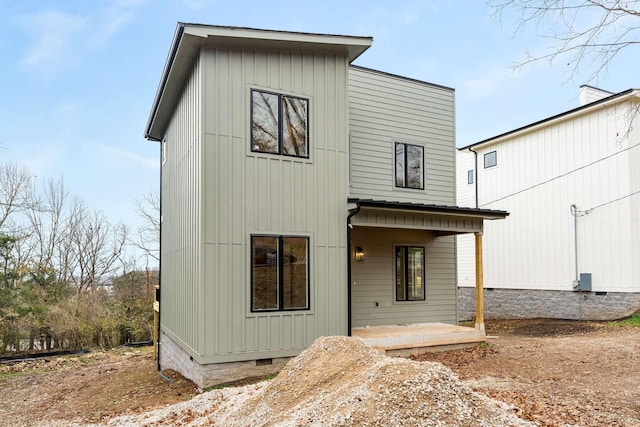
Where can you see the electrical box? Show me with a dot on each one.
(585, 282)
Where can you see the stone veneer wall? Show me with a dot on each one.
(172, 356)
(528, 303)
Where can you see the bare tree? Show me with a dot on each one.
(47, 225)
(97, 245)
(587, 34)
(147, 237)
(15, 191)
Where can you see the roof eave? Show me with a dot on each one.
(190, 38)
(613, 99)
(488, 214)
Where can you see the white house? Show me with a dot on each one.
(301, 196)
(571, 182)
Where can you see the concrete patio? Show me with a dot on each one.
(417, 338)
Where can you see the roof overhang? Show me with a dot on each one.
(567, 115)
(189, 39)
(441, 219)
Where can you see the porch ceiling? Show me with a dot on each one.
(441, 219)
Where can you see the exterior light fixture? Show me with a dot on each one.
(359, 254)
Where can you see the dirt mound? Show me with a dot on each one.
(339, 381)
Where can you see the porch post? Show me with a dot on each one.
(479, 284)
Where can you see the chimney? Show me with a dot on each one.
(589, 94)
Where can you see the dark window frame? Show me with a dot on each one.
(280, 274)
(470, 176)
(405, 168)
(405, 273)
(488, 164)
(280, 151)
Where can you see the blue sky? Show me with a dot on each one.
(78, 77)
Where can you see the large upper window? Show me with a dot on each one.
(410, 281)
(279, 124)
(279, 273)
(409, 166)
(490, 159)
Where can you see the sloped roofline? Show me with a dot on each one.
(397, 76)
(615, 98)
(189, 38)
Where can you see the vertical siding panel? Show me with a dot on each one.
(181, 250)
(533, 248)
(249, 193)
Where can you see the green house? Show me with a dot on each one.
(301, 196)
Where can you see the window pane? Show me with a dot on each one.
(415, 169)
(294, 269)
(400, 270)
(294, 129)
(415, 262)
(264, 122)
(264, 274)
(490, 159)
(399, 165)
(470, 177)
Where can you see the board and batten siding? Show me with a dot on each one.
(465, 197)
(374, 279)
(181, 239)
(586, 161)
(247, 193)
(385, 109)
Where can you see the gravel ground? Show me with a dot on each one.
(550, 372)
(339, 381)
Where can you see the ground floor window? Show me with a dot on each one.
(410, 273)
(279, 273)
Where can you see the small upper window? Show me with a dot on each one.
(279, 124)
(490, 160)
(163, 149)
(409, 166)
(470, 176)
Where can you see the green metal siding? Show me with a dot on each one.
(181, 249)
(374, 279)
(385, 109)
(246, 193)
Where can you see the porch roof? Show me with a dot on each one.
(441, 219)
(430, 208)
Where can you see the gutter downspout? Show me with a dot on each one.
(160, 266)
(574, 212)
(475, 173)
(349, 227)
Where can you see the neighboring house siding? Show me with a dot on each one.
(386, 109)
(181, 250)
(634, 173)
(539, 175)
(465, 243)
(249, 193)
(374, 279)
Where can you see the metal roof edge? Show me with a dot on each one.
(552, 118)
(177, 36)
(423, 82)
(445, 209)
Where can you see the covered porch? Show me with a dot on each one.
(397, 310)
